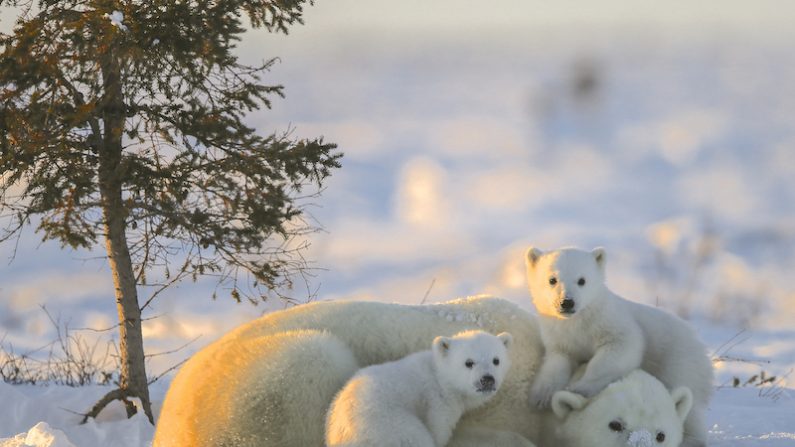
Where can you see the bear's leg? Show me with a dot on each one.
(695, 433)
(609, 363)
(554, 374)
(487, 437)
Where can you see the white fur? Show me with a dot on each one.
(270, 382)
(610, 335)
(416, 401)
(646, 412)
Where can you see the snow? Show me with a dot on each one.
(47, 416)
(741, 417)
(41, 435)
(116, 18)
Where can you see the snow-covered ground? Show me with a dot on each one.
(752, 415)
(47, 417)
(660, 130)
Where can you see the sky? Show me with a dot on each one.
(448, 18)
(661, 131)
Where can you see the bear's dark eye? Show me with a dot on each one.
(616, 426)
(660, 437)
(581, 282)
(553, 281)
(496, 361)
(469, 363)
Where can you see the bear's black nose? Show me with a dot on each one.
(567, 304)
(487, 381)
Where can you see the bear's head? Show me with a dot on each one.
(566, 281)
(473, 363)
(636, 411)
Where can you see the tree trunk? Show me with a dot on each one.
(133, 380)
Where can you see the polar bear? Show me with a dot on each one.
(583, 322)
(635, 411)
(269, 382)
(417, 401)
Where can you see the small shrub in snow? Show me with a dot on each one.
(72, 359)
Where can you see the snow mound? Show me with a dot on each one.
(26, 406)
(41, 435)
(116, 18)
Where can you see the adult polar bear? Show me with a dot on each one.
(634, 411)
(269, 382)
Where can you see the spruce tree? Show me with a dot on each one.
(122, 122)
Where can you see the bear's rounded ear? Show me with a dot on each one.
(564, 402)
(683, 401)
(507, 339)
(532, 256)
(600, 256)
(441, 345)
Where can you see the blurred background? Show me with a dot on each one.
(662, 131)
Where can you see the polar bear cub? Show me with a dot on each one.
(583, 323)
(417, 401)
(636, 411)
